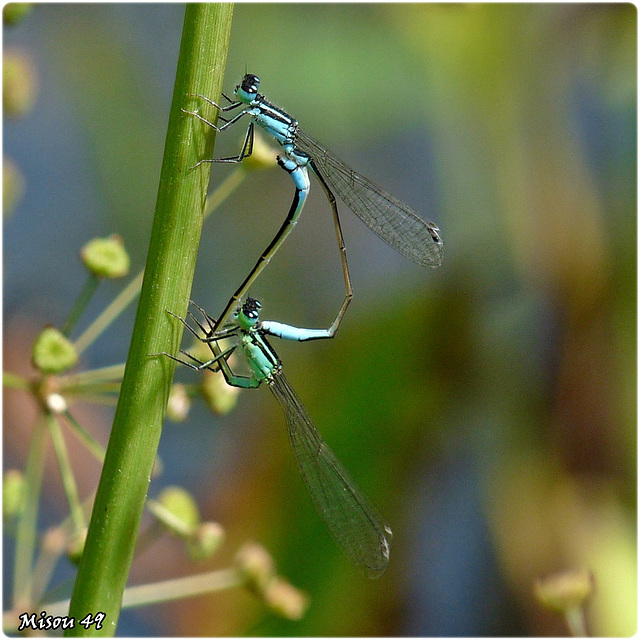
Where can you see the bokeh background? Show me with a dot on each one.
(487, 407)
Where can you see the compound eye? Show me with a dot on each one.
(251, 308)
(250, 83)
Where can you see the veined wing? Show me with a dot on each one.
(391, 219)
(349, 516)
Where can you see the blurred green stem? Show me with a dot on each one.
(175, 235)
(26, 531)
(576, 621)
(85, 437)
(81, 304)
(110, 313)
(68, 480)
(225, 189)
(156, 592)
(14, 381)
(86, 379)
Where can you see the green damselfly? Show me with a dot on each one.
(351, 518)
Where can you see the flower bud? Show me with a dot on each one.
(205, 540)
(285, 600)
(52, 352)
(256, 564)
(106, 257)
(177, 510)
(565, 590)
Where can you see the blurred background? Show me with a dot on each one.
(487, 407)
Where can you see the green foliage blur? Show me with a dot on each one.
(488, 407)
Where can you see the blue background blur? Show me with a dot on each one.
(488, 407)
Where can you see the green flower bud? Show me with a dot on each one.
(19, 86)
(15, 12)
(177, 510)
(205, 540)
(106, 257)
(75, 546)
(52, 352)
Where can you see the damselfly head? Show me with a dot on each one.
(248, 315)
(251, 308)
(247, 90)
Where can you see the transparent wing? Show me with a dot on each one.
(349, 516)
(392, 220)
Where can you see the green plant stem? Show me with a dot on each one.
(66, 473)
(175, 235)
(104, 398)
(95, 376)
(53, 546)
(85, 437)
(186, 587)
(157, 592)
(26, 530)
(14, 381)
(81, 304)
(86, 385)
(119, 304)
(96, 389)
(225, 189)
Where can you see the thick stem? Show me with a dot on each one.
(131, 452)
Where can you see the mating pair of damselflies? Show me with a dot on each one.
(350, 517)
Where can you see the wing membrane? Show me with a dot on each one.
(352, 520)
(392, 220)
